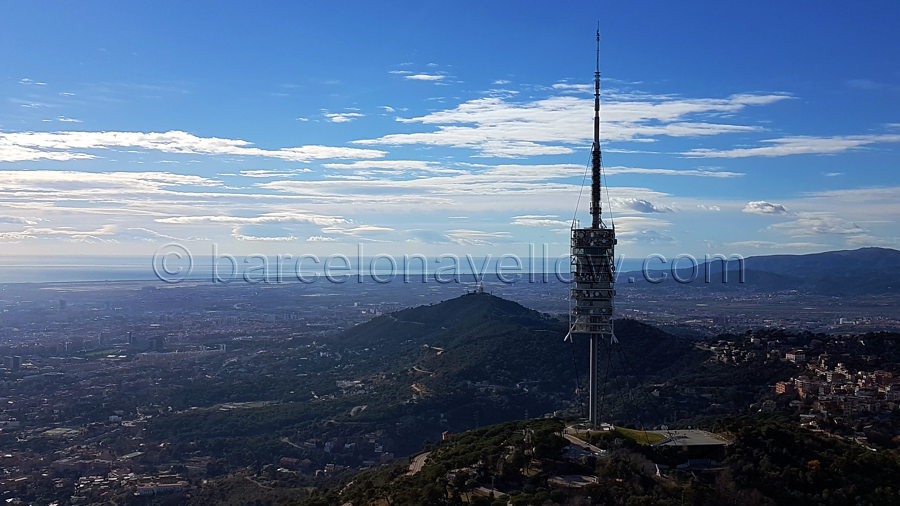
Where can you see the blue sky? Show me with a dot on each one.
(456, 127)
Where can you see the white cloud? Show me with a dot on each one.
(611, 171)
(319, 238)
(21, 146)
(867, 240)
(798, 145)
(861, 195)
(263, 173)
(50, 180)
(144, 234)
(647, 237)
(528, 189)
(578, 88)
(356, 230)
(531, 220)
(392, 165)
(501, 82)
(626, 225)
(640, 205)
(276, 217)
(18, 220)
(642, 230)
(771, 245)
(808, 224)
(425, 77)
(476, 237)
(17, 153)
(763, 207)
(495, 127)
(343, 117)
(238, 234)
(100, 234)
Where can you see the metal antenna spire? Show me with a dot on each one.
(596, 155)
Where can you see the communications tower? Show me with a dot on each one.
(593, 267)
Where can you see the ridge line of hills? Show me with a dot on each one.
(863, 271)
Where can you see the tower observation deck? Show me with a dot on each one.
(592, 269)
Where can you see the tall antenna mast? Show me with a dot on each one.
(596, 155)
(593, 277)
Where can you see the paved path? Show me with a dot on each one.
(418, 461)
(574, 440)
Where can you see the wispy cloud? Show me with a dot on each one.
(268, 174)
(281, 217)
(577, 88)
(356, 230)
(37, 181)
(343, 117)
(425, 77)
(17, 220)
(22, 146)
(551, 126)
(642, 230)
(769, 246)
(640, 205)
(672, 172)
(797, 146)
(763, 207)
(466, 237)
(100, 234)
(809, 224)
(239, 234)
(870, 85)
(393, 166)
(531, 220)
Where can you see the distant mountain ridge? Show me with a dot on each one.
(864, 271)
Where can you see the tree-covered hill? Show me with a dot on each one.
(511, 359)
(769, 461)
